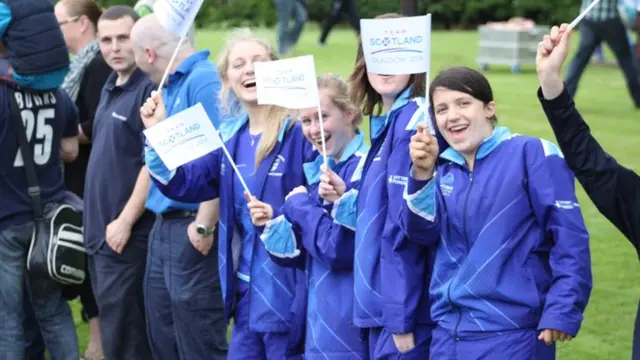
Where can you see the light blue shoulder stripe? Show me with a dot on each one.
(418, 116)
(231, 125)
(362, 152)
(421, 115)
(357, 173)
(551, 149)
(284, 128)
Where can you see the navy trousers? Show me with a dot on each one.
(184, 309)
(117, 284)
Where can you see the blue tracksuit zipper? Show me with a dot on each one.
(464, 212)
(466, 238)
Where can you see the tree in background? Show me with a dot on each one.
(409, 7)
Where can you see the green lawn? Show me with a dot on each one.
(603, 101)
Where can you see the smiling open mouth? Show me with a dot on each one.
(318, 141)
(457, 129)
(249, 84)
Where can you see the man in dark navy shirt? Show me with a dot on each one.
(116, 222)
(51, 125)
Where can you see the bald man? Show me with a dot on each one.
(145, 7)
(184, 308)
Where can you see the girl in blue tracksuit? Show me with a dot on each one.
(391, 273)
(269, 149)
(512, 273)
(306, 236)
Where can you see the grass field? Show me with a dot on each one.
(604, 102)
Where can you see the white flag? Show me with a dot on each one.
(177, 16)
(290, 83)
(184, 137)
(397, 46)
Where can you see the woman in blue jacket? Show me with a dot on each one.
(391, 273)
(512, 273)
(266, 300)
(306, 236)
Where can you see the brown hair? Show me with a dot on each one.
(118, 12)
(363, 94)
(464, 80)
(275, 115)
(89, 8)
(339, 94)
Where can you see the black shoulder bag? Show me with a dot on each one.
(57, 244)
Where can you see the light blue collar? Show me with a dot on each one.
(499, 134)
(378, 123)
(232, 124)
(312, 169)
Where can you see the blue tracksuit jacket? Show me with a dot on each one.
(325, 249)
(391, 273)
(274, 301)
(514, 250)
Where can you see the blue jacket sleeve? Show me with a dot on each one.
(403, 262)
(552, 195)
(322, 238)
(419, 211)
(5, 18)
(193, 182)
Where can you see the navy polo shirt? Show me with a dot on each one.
(194, 81)
(49, 117)
(116, 158)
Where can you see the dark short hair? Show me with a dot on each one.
(118, 12)
(465, 80)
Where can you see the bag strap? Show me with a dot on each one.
(27, 155)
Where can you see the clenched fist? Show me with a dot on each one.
(423, 150)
